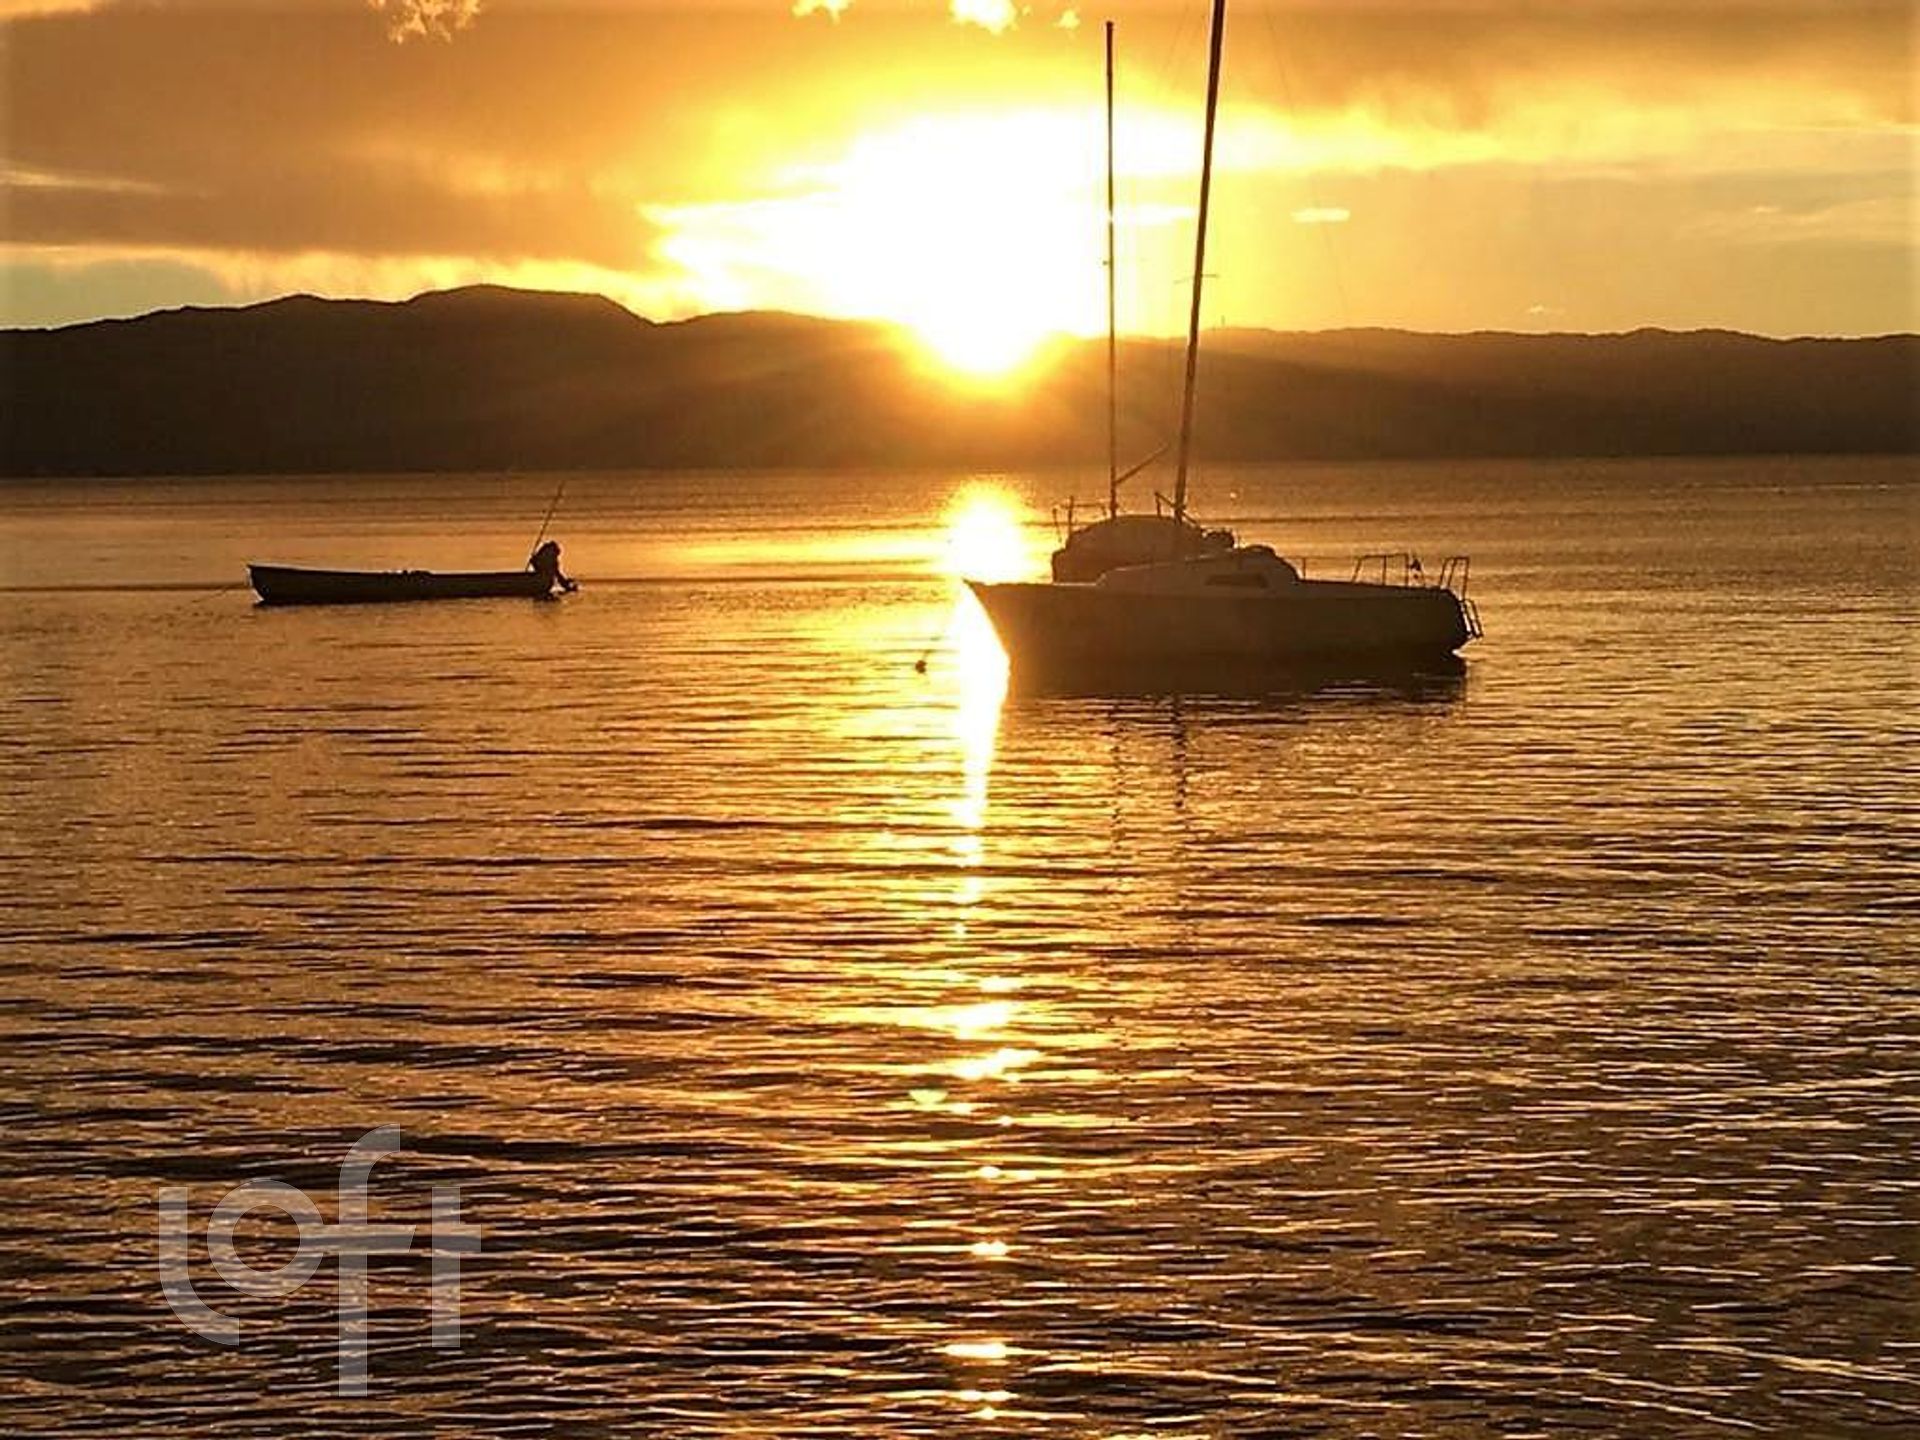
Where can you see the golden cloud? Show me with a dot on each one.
(409, 18)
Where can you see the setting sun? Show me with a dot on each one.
(980, 233)
(978, 347)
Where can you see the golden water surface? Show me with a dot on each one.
(823, 1046)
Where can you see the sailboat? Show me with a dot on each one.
(1159, 595)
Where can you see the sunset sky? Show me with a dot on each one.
(1433, 164)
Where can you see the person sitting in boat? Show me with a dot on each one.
(546, 561)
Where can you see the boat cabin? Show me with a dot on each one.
(1243, 570)
(1121, 540)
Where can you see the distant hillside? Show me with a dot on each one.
(495, 379)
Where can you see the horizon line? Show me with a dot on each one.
(1053, 340)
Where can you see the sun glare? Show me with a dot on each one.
(980, 233)
(977, 346)
(984, 539)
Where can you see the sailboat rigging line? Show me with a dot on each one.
(1167, 73)
(1138, 466)
(1199, 261)
(1294, 116)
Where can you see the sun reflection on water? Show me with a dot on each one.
(980, 681)
(964, 1034)
(995, 1065)
(984, 539)
(991, 1352)
(975, 1022)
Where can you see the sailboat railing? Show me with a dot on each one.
(1403, 567)
(1378, 567)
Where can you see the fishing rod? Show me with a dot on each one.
(558, 491)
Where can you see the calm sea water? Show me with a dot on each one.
(824, 1047)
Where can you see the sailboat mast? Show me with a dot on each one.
(1199, 261)
(1113, 343)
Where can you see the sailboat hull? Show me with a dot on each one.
(1321, 625)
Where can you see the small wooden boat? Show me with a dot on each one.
(285, 585)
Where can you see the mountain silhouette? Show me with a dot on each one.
(491, 378)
